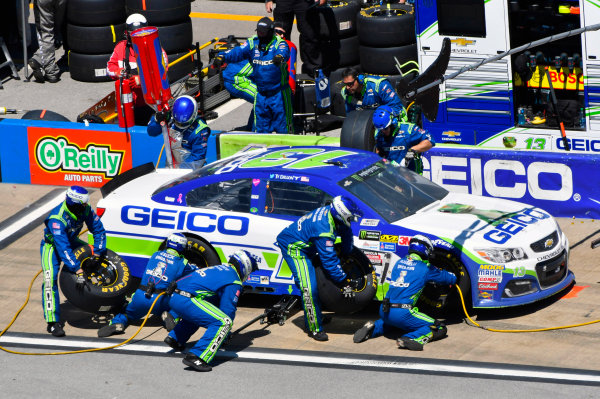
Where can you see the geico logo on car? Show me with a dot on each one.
(180, 219)
(504, 231)
(476, 177)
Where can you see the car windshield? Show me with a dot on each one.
(394, 192)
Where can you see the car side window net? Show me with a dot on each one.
(293, 199)
(230, 195)
(394, 192)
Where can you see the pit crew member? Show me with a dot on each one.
(363, 91)
(163, 269)
(63, 225)
(408, 277)
(315, 233)
(236, 79)
(208, 298)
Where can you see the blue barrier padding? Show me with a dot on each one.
(14, 157)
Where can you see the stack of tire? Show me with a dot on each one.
(172, 18)
(338, 45)
(94, 27)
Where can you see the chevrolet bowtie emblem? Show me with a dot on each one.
(461, 41)
(548, 243)
(450, 133)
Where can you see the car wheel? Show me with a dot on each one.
(441, 300)
(108, 282)
(198, 252)
(358, 131)
(355, 265)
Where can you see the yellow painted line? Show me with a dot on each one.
(230, 17)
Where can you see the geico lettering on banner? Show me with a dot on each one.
(179, 220)
(476, 175)
(582, 144)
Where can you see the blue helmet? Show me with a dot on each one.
(244, 263)
(77, 199)
(382, 117)
(185, 110)
(177, 241)
(344, 210)
(421, 246)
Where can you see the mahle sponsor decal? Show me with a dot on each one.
(57, 154)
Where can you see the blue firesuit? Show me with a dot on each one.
(314, 233)
(407, 280)
(206, 298)
(402, 138)
(273, 104)
(236, 79)
(60, 238)
(194, 139)
(163, 268)
(375, 92)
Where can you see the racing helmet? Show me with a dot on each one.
(244, 263)
(185, 109)
(382, 117)
(135, 21)
(77, 199)
(421, 246)
(177, 241)
(265, 28)
(344, 210)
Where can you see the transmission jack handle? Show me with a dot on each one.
(276, 314)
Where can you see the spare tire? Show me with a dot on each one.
(94, 39)
(96, 12)
(355, 264)
(358, 130)
(388, 25)
(108, 282)
(160, 12)
(44, 115)
(337, 19)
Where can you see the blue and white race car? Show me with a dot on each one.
(505, 253)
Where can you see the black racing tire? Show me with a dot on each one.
(101, 295)
(340, 53)
(94, 39)
(182, 68)
(338, 106)
(177, 37)
(160, 12)
(380, 61)
(379, 26)
(355, 265)
(96, 12)
(338, 19)
(305, 97)
(198, 252)
(44, 115)
(358, 131)
(89, 67)
(438, 300)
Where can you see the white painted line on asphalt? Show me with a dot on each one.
(344, 361)
(30, 217)
(228, 107)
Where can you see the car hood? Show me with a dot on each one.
(482, 222)
(143, 187)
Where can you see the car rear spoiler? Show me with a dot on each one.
(126, 177)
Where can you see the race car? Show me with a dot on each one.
(504, 253)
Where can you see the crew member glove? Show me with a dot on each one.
(410, 155)
(162, 116)
(278, 59)
(80, 282)
(218, 61)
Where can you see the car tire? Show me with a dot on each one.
(199, 253)
(94, 39)
(356, 264)
(98, 296)
(44, 115)
(439, 300)
(358, 131)
(305, 97)
(160, 12)
(389, 25)
(182, 68)
(177, 37)
(338, 19)
(340, 53)
(380, 61)
(89, 67)
(96, 12)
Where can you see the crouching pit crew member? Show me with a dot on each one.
(208, 298)
(408, 277)
(61, 237)
(315, 233)
(163, 269)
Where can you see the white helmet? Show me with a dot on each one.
(135, 21)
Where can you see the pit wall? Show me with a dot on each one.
(67, 153)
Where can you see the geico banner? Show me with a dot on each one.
(70, 156)
(563, 184)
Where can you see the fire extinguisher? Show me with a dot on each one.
(124, 103)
